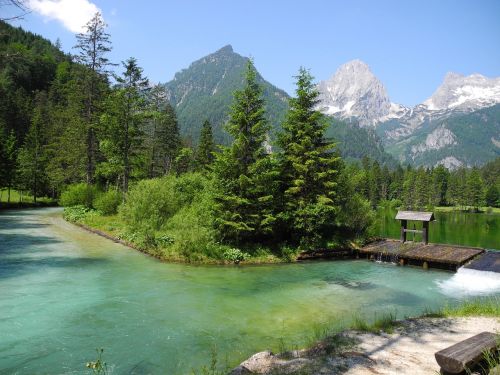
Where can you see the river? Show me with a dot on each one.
(65, 292)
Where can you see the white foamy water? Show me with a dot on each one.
(469, 282)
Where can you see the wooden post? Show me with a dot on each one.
(404, 223)
(425, 232)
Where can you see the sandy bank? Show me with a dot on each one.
(409, 350)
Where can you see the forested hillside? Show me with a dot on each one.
(205, 91)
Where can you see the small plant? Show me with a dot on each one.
(235, 255)
(98, 367)
(164, 240)
(75, 213)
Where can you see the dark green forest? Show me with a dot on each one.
(109, 147)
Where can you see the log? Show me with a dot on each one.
(461, 356)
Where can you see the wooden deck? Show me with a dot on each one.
(434, 255)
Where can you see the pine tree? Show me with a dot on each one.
(206, 147)
(475, 189)
(440, 177)
(93, 45)
(308, 168)
(8, 159)
(32, 157)
(164, 141)
(243, 172)
(122, 122)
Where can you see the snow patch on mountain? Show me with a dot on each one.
(354, 91)
(465, 92)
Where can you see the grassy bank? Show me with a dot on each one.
(164, 245)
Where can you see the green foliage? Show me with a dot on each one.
(382, 323)
(122, 125)
(75, 214)
(107, 203)
(79, 195)
(235, 255)
(206, 147)
(244, 171)
(308, 168)
(162, 140)
(185, 161)
(205, 91)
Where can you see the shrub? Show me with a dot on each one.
(79, 194)
(108, 202)
(75, 213)
(235, 255)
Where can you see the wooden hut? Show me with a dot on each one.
(424, 217)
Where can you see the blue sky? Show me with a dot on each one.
(409, 45)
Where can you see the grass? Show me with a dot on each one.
(489, 307)
(383, 323)
(27, 200)
(490, 210)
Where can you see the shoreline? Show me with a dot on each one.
(408, 349)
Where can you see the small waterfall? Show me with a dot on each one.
(470, 282)
(386, 258)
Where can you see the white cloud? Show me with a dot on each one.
(74, 14)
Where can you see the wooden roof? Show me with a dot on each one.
(415, 215)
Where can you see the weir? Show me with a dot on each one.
(489, 261)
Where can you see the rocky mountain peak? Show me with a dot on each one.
(354, 91)
(465, 92)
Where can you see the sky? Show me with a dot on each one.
(409, 45)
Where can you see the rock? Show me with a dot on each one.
(259, 362)
(240, 370)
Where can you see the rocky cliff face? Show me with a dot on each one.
(354, 92)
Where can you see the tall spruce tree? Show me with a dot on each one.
(123, 123)
(163, 138)
(32, 157)
(475, 189)
(308, 168)
(244, 171)
(206, 147)
(93, 45)
(8, 159)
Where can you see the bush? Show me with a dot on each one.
(75, 213)
(108, 202)
(79, 195)
(235, 255)
(151, 203)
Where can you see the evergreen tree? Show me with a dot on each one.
(93, 46)
(8, 160)
(492, 196)
(185, 161)
(243, 171)
(122, 123)
(475, 189)
(164, 140)
(32, 158)
(206, 147)
(440, 177)
(308, 168)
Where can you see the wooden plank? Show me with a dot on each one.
(414, 231)
(465, 354)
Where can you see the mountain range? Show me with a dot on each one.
(458, 125)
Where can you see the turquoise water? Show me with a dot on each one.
(65, 292)
(457, 228)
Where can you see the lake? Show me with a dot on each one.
(457, 228)
(65, 292)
